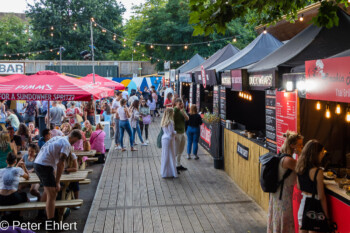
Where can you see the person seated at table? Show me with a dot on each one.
(17, 140)
(34, 132)
(88, 129)
(9, 181)
(79, 145)
(72, 113)
(97, 141)
(66, 128)
(106, 112)
(12, 119)
(55, 132)
(6, 146)
(51, 158)
(23, 132)
(71, 165)
(28, 160)
(46, 137)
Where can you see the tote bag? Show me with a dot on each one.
(147, 119)
(314, 218)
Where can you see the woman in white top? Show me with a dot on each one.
(168, 162)
(152, 105)
(134, 121)
(124, 124)
(9, 180)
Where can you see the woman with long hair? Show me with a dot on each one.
(145, 116)
(6, 147)
(134, 121)
(280, 214)
(89, 112)
(79, 145)
(34, 132)
(3, 114)
(66, 128)
(168, 159)
(168, 103)
(193, 132)
(307, 169)
(88, 129)
(23, 132)
(107, 112)
(124, 124)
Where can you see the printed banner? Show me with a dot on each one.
(206, 134)
(328, 79)
(11, 68)
(236, 76)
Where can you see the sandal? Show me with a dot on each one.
(133, 149)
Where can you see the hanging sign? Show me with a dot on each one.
(191, 95)
(216, 106)
(242, 151)
(198, 97)
(236, 77)
(203, 77)
(226, 79)
(286, 115)
(11, 68)
(185, 78)
(223, 105)
(172, 75)
(328, 79)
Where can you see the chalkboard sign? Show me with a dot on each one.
(271, 120)
(191, 95)
(223, 105)
(198, 97)
(216, 98)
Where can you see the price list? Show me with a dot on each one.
(223, 105)
(271, 120)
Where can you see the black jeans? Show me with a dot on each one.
(146, 129)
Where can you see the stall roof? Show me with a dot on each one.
(259, 48)
(218, 57)
(310, 44)
(301, 68)
(195, 61)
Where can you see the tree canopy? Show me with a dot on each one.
(209, 16)
(14, 38)
(56, 23)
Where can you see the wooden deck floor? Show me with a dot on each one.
(132, 197)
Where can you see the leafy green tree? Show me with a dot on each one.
(13, 37)
(209, 16)
(166, 22)
(67, 23)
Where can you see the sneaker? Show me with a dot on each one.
(188, 156)
(76, 207)
(196, 157)
(118, 148)
(135, 143)
(147, 141)
(181, 168)
(144, 144)
(124, 147)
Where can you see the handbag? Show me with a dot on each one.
(159, 138)
(79, 118)
(314, 218)
(86, 145)
(147, 119)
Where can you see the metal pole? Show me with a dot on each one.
(61, 59)
(92, 60)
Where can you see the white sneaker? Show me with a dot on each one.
(188, 156)
(118, 148)
(147, 141)
(124, 147)
(135, 143)
(144, 144)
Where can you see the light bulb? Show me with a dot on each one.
(74, 28)
(301, 18)
(318, 105)
(338, 109)
(250, 98)
(152, 46)
(234, 40)
(168, 47)
(51, 27)
(51, 34)
(328, 113)
(209, 44)
(92, 19)
(124, 40)
(124, 45)
(185, 47)
(143, 55)
(348, 116)
(7, 43)
(265, 30)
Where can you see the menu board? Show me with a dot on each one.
(191, 94)
(198, 97)
(223, 105)
(216, 97)
(286, 114)
(270, 116)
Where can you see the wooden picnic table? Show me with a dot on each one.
(80, 154)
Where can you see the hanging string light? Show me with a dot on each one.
(185, 47)
(168, 47)
(234, 40)
(347, 118)
(138, 43)
(51, 28)
(265, 30)
(328, 112)
(318, 105)
(51, 34)
(301, 18)
(7, 43)
(151, 46)
(338, 109)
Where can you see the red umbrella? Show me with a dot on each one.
(103, 82)
(11, 77)
(49, 85)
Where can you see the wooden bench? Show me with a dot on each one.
(93, 159)
(86, 181)
(41, 205)
(88, 170)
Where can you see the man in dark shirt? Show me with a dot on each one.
(15, 138)
(180, 117)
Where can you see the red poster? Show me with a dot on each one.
(286, 114)
(204, 77)
(328, 79)
(206, 134)
(236, 76)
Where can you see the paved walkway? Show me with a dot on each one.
(132, 197)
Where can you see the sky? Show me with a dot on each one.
(19, 6)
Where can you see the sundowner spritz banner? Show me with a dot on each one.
(328, 79)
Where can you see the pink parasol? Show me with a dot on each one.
(49, 85)
(103, 82)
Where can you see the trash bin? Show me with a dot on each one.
(218, 163)
(42, 125)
